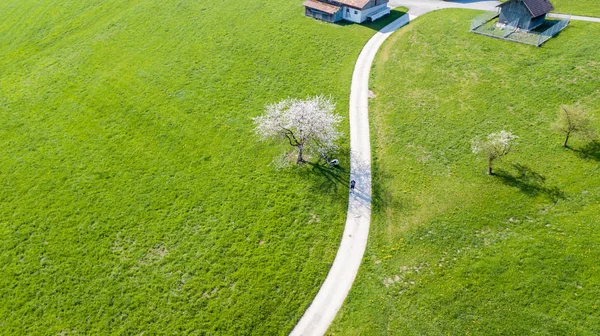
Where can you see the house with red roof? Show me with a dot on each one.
(357, 11)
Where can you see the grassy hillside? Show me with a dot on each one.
(452, 250)
(135, 196)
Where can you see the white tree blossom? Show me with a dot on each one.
(495, 146)
(308, 125)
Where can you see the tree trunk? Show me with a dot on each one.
(300, 158)
(567, 140)
(490, 172)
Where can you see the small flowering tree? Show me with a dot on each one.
(495, 146)
(308, 125)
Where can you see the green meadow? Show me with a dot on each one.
(577, 7)
(135, 196)
(454, 251)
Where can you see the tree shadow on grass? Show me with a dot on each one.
(329, 178)
(529, 182)
(589, 151)
(332, 177)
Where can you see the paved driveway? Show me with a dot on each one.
(419, 7)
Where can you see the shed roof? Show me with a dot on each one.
(535, 7)
(321, 6)
(538, 7)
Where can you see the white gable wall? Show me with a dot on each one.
(352, 14)
(359, 16)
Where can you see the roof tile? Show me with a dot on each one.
(538, 7)
(321, 6)
(535, 7)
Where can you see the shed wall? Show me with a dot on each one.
(536, 22)
(516, 10)
(513, 11)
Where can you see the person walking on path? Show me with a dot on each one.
(352, 185)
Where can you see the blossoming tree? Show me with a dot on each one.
(308, 125)
(495, 146)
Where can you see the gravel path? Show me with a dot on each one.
(333, 292)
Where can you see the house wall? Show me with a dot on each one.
(375, 3)
(319, 15)
(352, 14)
(360, 16)
(369, 11)
(348, 13)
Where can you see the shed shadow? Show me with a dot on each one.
(529, 182)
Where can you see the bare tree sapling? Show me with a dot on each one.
(573, 120)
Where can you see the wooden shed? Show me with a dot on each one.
(524, 14)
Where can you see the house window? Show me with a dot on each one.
(355, 12)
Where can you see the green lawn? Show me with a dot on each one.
(135, 196)
(577, 7)
(452, 250)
